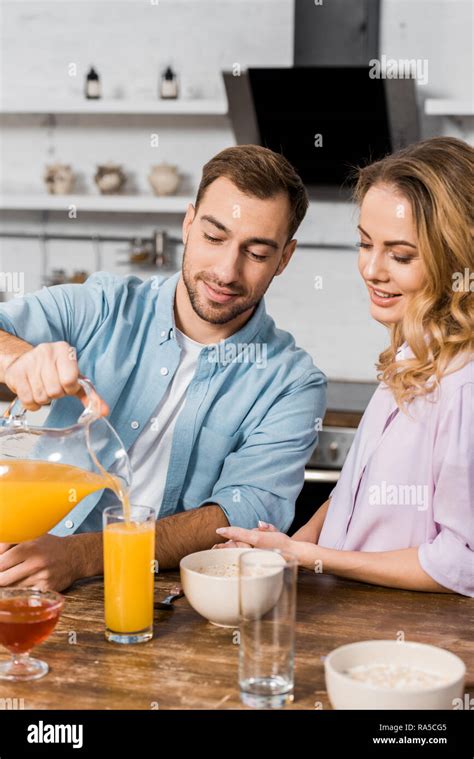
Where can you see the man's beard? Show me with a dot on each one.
(216, 313)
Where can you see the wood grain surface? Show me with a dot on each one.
(192, 664)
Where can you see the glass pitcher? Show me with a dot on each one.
(45, 472)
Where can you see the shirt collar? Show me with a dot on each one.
(164, 306)
(403, 352)
(166, 323)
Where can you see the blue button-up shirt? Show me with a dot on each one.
(252, 409)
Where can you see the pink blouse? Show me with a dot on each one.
(408, 481)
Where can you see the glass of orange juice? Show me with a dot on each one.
(129, 567)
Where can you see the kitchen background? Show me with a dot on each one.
(47, 51)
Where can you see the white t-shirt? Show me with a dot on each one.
(150, 453)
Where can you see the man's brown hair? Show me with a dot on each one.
(259, 172)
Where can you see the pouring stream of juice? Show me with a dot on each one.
(35, 495)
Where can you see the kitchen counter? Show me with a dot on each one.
(191, 664)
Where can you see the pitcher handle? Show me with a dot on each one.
(15, 413)
(93, 408)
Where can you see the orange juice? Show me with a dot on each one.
(129, 552)
(35, 495)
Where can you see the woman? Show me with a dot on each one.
(402, 513)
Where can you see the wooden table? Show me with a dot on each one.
(191, 664)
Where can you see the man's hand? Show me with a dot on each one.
(49, 562)
(46, 372)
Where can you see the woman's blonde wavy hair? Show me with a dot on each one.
(436, 177)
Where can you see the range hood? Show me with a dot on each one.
(326, 114)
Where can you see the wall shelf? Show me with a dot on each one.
(96, 203)
(103, 107)
(445, 107)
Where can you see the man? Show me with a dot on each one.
(217, 408)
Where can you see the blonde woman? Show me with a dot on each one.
(402, 513)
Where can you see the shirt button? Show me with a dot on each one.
(163, 333)
(164, 371)
(69, 523)
(135, 425)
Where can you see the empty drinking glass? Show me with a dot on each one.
(267, 599)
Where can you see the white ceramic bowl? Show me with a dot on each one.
(217, 598)
(347, 693)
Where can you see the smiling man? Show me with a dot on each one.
(217, 408)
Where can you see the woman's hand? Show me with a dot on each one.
(264, 536)
(264, 526)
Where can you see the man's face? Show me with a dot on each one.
(234, 245)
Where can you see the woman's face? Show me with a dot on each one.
(389, 261)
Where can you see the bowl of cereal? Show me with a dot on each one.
(210, 581)
(391, 674)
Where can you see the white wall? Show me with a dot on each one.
(442, 33)
(129, 43)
